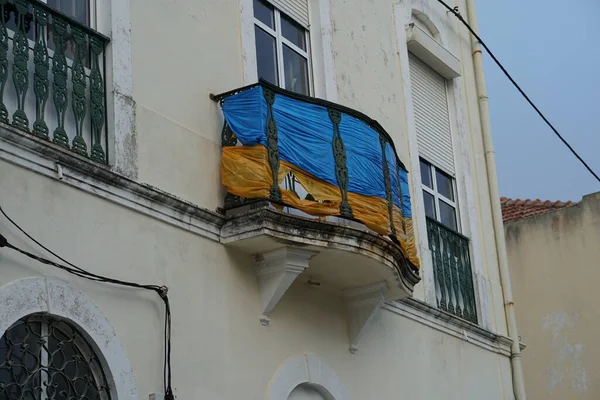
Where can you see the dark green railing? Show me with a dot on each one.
(52, 77)
(452, 271)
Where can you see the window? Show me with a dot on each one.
(282, 49)
(43, 357)
(79, 10)
(439, 195)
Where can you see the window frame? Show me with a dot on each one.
(440, 197)
(280, 40)
(92, 17)
(85, 347)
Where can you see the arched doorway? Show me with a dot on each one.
(305, 392)
(306, 377)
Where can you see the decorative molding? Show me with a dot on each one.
(54, 296)
(54, 162)
(121, 106)
(451, 325)
(362, 304)
(431, 52)
(306, 369)
(248, 42)
(275, 272)
(468, 212)
(260, 219)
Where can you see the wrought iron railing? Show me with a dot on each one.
(52, 77)
(314, 156)
(452, 271)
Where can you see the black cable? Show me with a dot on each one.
(73, 269)
(35, 241)
(516, 85)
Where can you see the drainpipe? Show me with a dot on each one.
(490, 160)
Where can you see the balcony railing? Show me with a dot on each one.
(52, 77)
(318, 157)
(452, 271)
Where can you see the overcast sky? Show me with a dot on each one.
(551, 49)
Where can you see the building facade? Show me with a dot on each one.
(553, 254)
(380, 282)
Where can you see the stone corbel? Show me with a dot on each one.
(362, 304)
(276, 271)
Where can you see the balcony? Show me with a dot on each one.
(52, 78)
(316, 192)
(452, 271)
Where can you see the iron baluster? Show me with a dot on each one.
(97, 106)
(41, 84)
(403, 221)
(59, 86)
(388, 184)
(341, 170)
(272, 146)
(440, 268)
(78, 96)
(452, 271)
(456, 273)
(20, 73)
(3, 59)
(470, 292)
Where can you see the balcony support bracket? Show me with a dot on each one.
(362, 304)
(275, 272)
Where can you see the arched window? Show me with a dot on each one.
(45, 357)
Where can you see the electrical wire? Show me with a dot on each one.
(80, 272)
(516, 85)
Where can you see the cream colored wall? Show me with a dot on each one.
(220, 349)
(184, 50)
(554, 268)
(368, 73)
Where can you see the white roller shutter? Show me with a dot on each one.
(431, 115)
(297, 9)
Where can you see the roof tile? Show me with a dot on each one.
(516, 209)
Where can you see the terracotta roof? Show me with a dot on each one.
(513, 210)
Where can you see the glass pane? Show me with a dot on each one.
(264, 13)
(429, 204)
(448, 215)
(266, 56)
(426, 174)
(293, 32)
(296, 71)
(444, 185)
(76, 9)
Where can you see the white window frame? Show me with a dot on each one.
(280, 40)
(440, 197)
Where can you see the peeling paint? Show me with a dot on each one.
(567, 368)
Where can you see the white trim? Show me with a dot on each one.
(55, 296)
(402, 17)
(306, 369)
(122, 132)
(449, 324)
(26, 152)
(362, 305)
(322, 76)
(280, 41)
(437, 196)
(426, 48)
(323, 25)
(275, 273)
(248, 42)
(465, 190)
